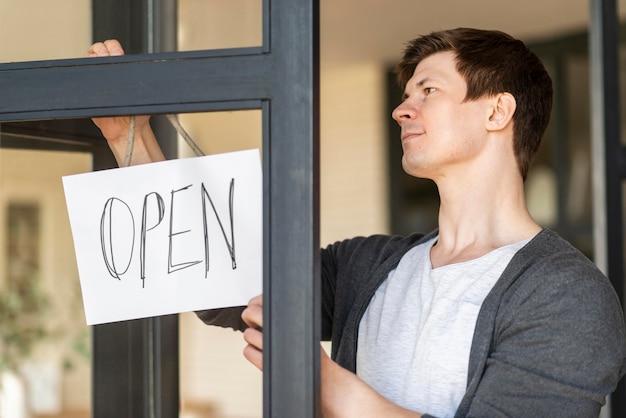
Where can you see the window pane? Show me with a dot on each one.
(216, 24)
(214, 376)
(215, 379)
(44, 30)
(64, 27)
(218, 132)
(44, 341)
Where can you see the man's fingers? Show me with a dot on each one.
(253, 317)
(114, 47)
(97, 50)
(257, 300)
(253, 352)
(254, 356)
(253, 337)
(253, 314)
(111, 47)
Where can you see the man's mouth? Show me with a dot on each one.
(410, 135)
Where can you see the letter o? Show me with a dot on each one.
(117, 236)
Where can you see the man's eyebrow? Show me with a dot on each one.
(430, 79)
(423, 81)
(420, 84)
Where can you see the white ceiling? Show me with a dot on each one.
(365, 30)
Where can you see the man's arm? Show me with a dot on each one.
(558, 347)
(343, 393)
(116, 129)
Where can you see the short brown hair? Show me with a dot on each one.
(493, 62)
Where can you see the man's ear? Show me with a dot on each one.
(501, 112)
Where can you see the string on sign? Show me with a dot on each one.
(131, 142)
(181, 131)
(173, 119)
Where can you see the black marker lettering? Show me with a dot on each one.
(231, 244)
(175, 267)
(160, 206)
(107, 227)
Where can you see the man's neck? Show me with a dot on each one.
(476, 217)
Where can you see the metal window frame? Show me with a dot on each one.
(282, 79)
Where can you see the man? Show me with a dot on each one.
(489, 315)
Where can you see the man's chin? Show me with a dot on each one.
(412, 168)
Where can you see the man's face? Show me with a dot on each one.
(441, 133)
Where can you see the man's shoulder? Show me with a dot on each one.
(549, 266)
(363, 258)
(377, 245)
(548, 251)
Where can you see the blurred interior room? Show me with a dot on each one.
(45, 347)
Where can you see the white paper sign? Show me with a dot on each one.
(168, 237)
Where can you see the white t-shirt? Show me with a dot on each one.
(415, 336)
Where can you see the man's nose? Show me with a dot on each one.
(403, 112)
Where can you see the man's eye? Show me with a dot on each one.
(429, 90)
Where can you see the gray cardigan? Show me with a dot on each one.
(549, 338)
